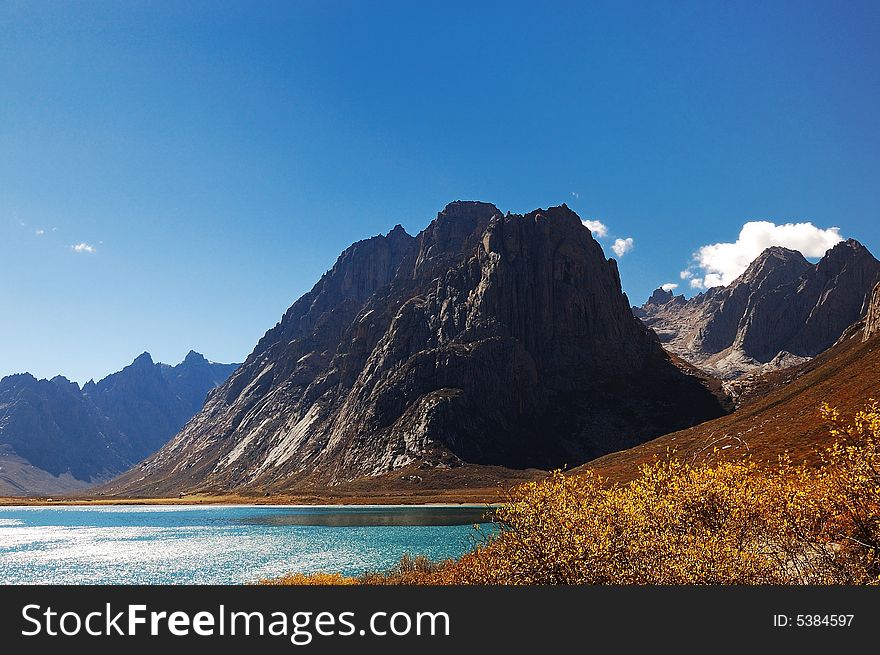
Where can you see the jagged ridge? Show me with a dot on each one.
(782, 310)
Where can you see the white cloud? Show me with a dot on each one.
(84, 247)
(669, 286)
(598, 228)
(40, 232)
(720, 264)
(575, 195)
(622, 246)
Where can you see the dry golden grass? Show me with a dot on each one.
(311, 579)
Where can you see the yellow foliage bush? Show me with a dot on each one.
(678, 523)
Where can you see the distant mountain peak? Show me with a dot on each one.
(101, 429)
(144, 359)
(781, 304)
(60, 380)
(845, 252)
(192, 357)
(660, 297)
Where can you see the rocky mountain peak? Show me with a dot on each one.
(61, 381)
(660, 297)
(488, 338)
(194, 358)
(774, 266)
(846, 254)
(457, 227)
(144, 360)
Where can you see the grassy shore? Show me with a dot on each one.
(469, 484)
(485, 496)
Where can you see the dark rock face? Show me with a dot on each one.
(782, 310)
(93, 433)
(872, 320)
(486, 339)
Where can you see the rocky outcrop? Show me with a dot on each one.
(487, 339)
(781, 310)
(56, 437)
(872, 320)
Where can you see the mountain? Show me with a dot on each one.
(56, 437)
(487, 339)
(781, 311)
(154, 401)
(52, 439)
(778, 414)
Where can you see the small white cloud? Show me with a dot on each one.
(598, 228)
(686, 274)
(669, 286)
(719, 264)
(40, 232)
(84, 247)
(54, 229)
(575, 194)
(622, 246)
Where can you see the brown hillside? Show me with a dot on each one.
(779, 413)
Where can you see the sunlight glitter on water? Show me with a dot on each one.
(202, 545)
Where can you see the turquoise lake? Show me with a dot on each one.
(223, 544)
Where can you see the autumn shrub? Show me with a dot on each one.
(851, 484)
(731, 522)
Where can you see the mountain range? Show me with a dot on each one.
(783, 310)
(488, 347)
(486, 339)
(56, 437)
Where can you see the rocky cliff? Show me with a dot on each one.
(872, 320)
(486, 339)
(56, 437)
(782, 310)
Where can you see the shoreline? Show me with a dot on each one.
(75, 504)
(487, 497)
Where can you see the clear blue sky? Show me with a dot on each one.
(218, 156)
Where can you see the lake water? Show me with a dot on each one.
(222, 544)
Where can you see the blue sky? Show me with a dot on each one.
(216, 157)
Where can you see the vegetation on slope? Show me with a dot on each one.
(714, 522)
